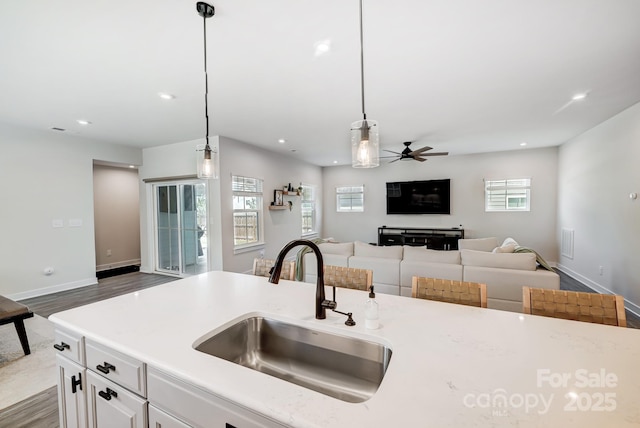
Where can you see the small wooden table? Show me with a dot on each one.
(16, 313)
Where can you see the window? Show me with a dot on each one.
(308, 209)
(350, 199)
(507, 195)
(247, 211)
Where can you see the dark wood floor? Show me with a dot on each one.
(104, 289)
(41, 410)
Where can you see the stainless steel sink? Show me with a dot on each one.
(342, 367)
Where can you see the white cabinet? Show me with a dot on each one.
(198, 408)
(99, 387)
(111, 405)
(160, 419)
(72, 401)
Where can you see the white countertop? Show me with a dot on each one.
(451, 364)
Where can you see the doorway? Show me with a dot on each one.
(181, 244)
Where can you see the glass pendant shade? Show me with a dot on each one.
(207, 162)
(365, 150)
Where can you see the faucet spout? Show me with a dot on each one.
(274, 278)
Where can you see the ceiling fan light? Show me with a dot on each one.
(365, 144)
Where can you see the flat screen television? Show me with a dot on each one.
(419, 197)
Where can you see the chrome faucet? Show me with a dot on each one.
(321, 303)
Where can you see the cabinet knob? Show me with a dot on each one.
(108, 394)
(105, 368)
(62, 346)
(76, 383)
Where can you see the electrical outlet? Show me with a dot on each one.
(601, 270)
(261, 254)
(108, 253)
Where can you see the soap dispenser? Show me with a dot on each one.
(371, 311)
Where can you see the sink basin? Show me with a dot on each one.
(342, 367)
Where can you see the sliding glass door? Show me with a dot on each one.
(181, 227)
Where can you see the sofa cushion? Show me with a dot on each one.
(507, 285)
(517, 261)
(478, 244)
(362, 249)
(409, 269)
(342, 248)
(385, 270)
(421, 254)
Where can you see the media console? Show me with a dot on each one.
(432, 238)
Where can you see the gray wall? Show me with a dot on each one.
(535, 229)
(47, 177)
(597, 172)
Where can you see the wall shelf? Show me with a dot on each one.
(278, 207)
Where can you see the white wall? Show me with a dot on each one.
(236, 158)
(535, 229)
(280, 227)
(597, 172)
(170, 162)
(47, 176)
(116, 198)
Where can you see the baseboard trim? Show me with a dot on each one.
(117, 265)
(53, 289)
(630, 306)
(117, 271)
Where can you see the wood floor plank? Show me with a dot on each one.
(105, 289)
(38, 411)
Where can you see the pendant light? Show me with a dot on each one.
(364, 133)
(208, 164)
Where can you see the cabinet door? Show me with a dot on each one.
(112, 406)
(72, 398)
(160, 419)
(199, 408)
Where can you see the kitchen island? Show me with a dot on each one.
(452, 365)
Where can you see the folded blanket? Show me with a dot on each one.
(542, 262)
(300, 258)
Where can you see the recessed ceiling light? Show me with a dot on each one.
(166, 96)
(524, 143)
(83, 122)
(282, 141)
(132, 166)
(335, 161)
(580, 96)
(322, 47)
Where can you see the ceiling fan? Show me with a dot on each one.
(408, 154)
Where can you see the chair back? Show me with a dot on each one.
(574, 305)
(450, 291)
(261, 267)
(346, 277)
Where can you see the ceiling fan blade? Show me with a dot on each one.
(387, 157)
(395, 160)
(391, 151)
(419, 159)
(424, 149)
(436, 154)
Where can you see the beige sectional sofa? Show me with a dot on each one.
(477, 260)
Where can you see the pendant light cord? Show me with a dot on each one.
(206, 80)
(364, 115)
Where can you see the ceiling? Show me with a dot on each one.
(463, 76)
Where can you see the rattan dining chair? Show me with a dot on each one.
(450, 291)
(346, 277)
(575, 305)
(261, 267)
